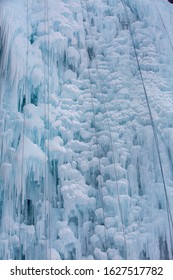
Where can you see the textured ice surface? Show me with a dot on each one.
(79, 170)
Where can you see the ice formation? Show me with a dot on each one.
(80, 176)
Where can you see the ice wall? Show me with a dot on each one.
(79, 170)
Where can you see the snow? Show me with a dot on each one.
(80, 175)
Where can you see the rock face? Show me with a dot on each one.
(86, 145)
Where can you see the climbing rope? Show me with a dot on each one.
(21, 200)
(45, 135)
(47, 197)
(169, 214)
(110, 134)
(48, 145)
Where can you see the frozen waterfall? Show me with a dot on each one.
(84, 172)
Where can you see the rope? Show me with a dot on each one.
(22, 135)
(48, 90)
(46, 114)
(110, 136)
(45, 167)
(170, 220)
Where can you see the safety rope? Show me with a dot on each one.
(48, 111)
(47, 197)
(21, 201)
(170, 220)
(45, 135)
(110, 136)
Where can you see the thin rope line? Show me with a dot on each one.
(170, 221)
(45, 113)
(21, 213)
(48, 145)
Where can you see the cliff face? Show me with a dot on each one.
(86, 129)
